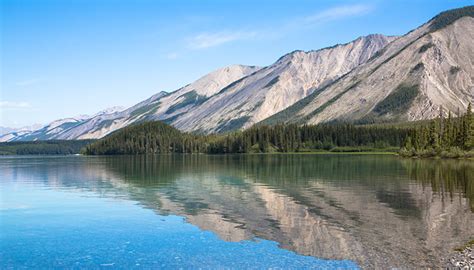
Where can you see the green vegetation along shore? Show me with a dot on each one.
(57, 147)
(442, 137)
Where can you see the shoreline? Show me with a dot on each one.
(226, 154)
(387, 153)
(462, 257)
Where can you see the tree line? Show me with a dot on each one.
(158, 137)
(445, 137)
(53, 147)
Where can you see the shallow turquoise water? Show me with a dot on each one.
(46, 225)
(233, 212)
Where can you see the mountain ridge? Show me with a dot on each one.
(277, 86)
(405, 68)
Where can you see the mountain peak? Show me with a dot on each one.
(110, 110)
(446, 18)
(214, 81)
(381, 39)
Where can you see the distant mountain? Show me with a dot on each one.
(110, 110)
(52, 130)
(7, 133)
(413, 77)
(5, 130)
(12, 135)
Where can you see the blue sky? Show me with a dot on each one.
(65, 58)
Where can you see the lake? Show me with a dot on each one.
(236, 211)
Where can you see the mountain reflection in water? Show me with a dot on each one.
(380, 211)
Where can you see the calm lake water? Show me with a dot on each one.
(247, 211)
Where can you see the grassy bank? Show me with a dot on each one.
(324, 152)
(452, 152)
(336, 150)
(463, 247)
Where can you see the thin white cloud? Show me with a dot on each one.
(208, 40)
(14, 105)
(214, 39)
(318, 19)
(338, 12)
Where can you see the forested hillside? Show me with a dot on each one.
(158, 137)
(450, 137)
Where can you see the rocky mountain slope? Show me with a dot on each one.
(274, 88)
(410, 79)
(162, 106)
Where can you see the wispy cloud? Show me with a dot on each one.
(320, 18)
(208, 40)
(338, 12)
(14, 105)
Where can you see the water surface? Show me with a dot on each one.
(247, 211)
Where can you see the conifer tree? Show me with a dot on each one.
(469, 129)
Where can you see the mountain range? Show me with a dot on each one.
(373, 79)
